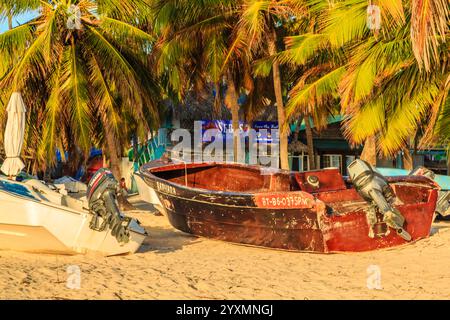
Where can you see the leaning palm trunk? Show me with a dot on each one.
(231, 100)
(407, 160)
(114, 161)
(10, 22)
(217, 102)
(369, 153)
(310, 144)
(280, 105)
(114, 165)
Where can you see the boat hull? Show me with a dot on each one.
(289, 220)
(43, 227)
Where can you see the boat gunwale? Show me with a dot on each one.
(146, 171)
(149, 174)
(43, 201)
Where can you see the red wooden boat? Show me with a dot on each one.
(316, 211)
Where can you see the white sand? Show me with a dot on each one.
(172, 265)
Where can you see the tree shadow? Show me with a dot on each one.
(164, 240)
(439, 225)
(160, 239)
(140, 205)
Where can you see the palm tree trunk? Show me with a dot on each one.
(297, 129)
(111, 144)
(231, 100)
(272, 45)
(310, 144)
(10, 21)
(369, 153)
(448, 164)
(75, 160)
(135, 149)
(407, 160)
(217, 101)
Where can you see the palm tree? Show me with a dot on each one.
(191, 52)
(10, 8)
(315, 70)
(260, 23)
(82, 67)
(391, 85)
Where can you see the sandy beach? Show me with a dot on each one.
(173, 265)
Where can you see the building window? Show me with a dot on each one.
(299, 162)
(306, 166)
(348, 160)
(332, 161)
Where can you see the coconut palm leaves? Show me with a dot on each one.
(390, 83)
(257, 34)
(429, 28)
(96, 73)
(192, 37)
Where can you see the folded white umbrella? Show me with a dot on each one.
(14, 135)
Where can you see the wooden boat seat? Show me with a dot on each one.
(277, 183)
(327, 180)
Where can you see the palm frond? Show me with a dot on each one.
(402, 122)
(50, 135)
(215, 53)
(429, 27)
(305, 98)
(75, 90)
(301, 48)
(123, 72)
(12, 45)
(102, 96)
(125, 33)
(346, 22)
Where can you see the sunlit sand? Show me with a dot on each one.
(173, 265)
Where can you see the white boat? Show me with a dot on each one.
(35, 218)
(146, 193)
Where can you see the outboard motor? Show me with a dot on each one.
(101, 195)
(374, 188)
(443, 202)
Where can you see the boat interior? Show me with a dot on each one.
(237, 178)
(38, 191)
(327, 185)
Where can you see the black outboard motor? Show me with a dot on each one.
(374, 188)
(101, 195)
(443, 202)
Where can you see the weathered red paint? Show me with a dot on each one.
(279, 200)
(281, 210)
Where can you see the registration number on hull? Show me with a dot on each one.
(165, 188)
(299, 200)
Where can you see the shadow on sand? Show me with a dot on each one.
(138, 204)
(439, 225)
(163, 240)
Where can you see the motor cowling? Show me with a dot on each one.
(374, 188)
(102, 199)
(443, 202)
